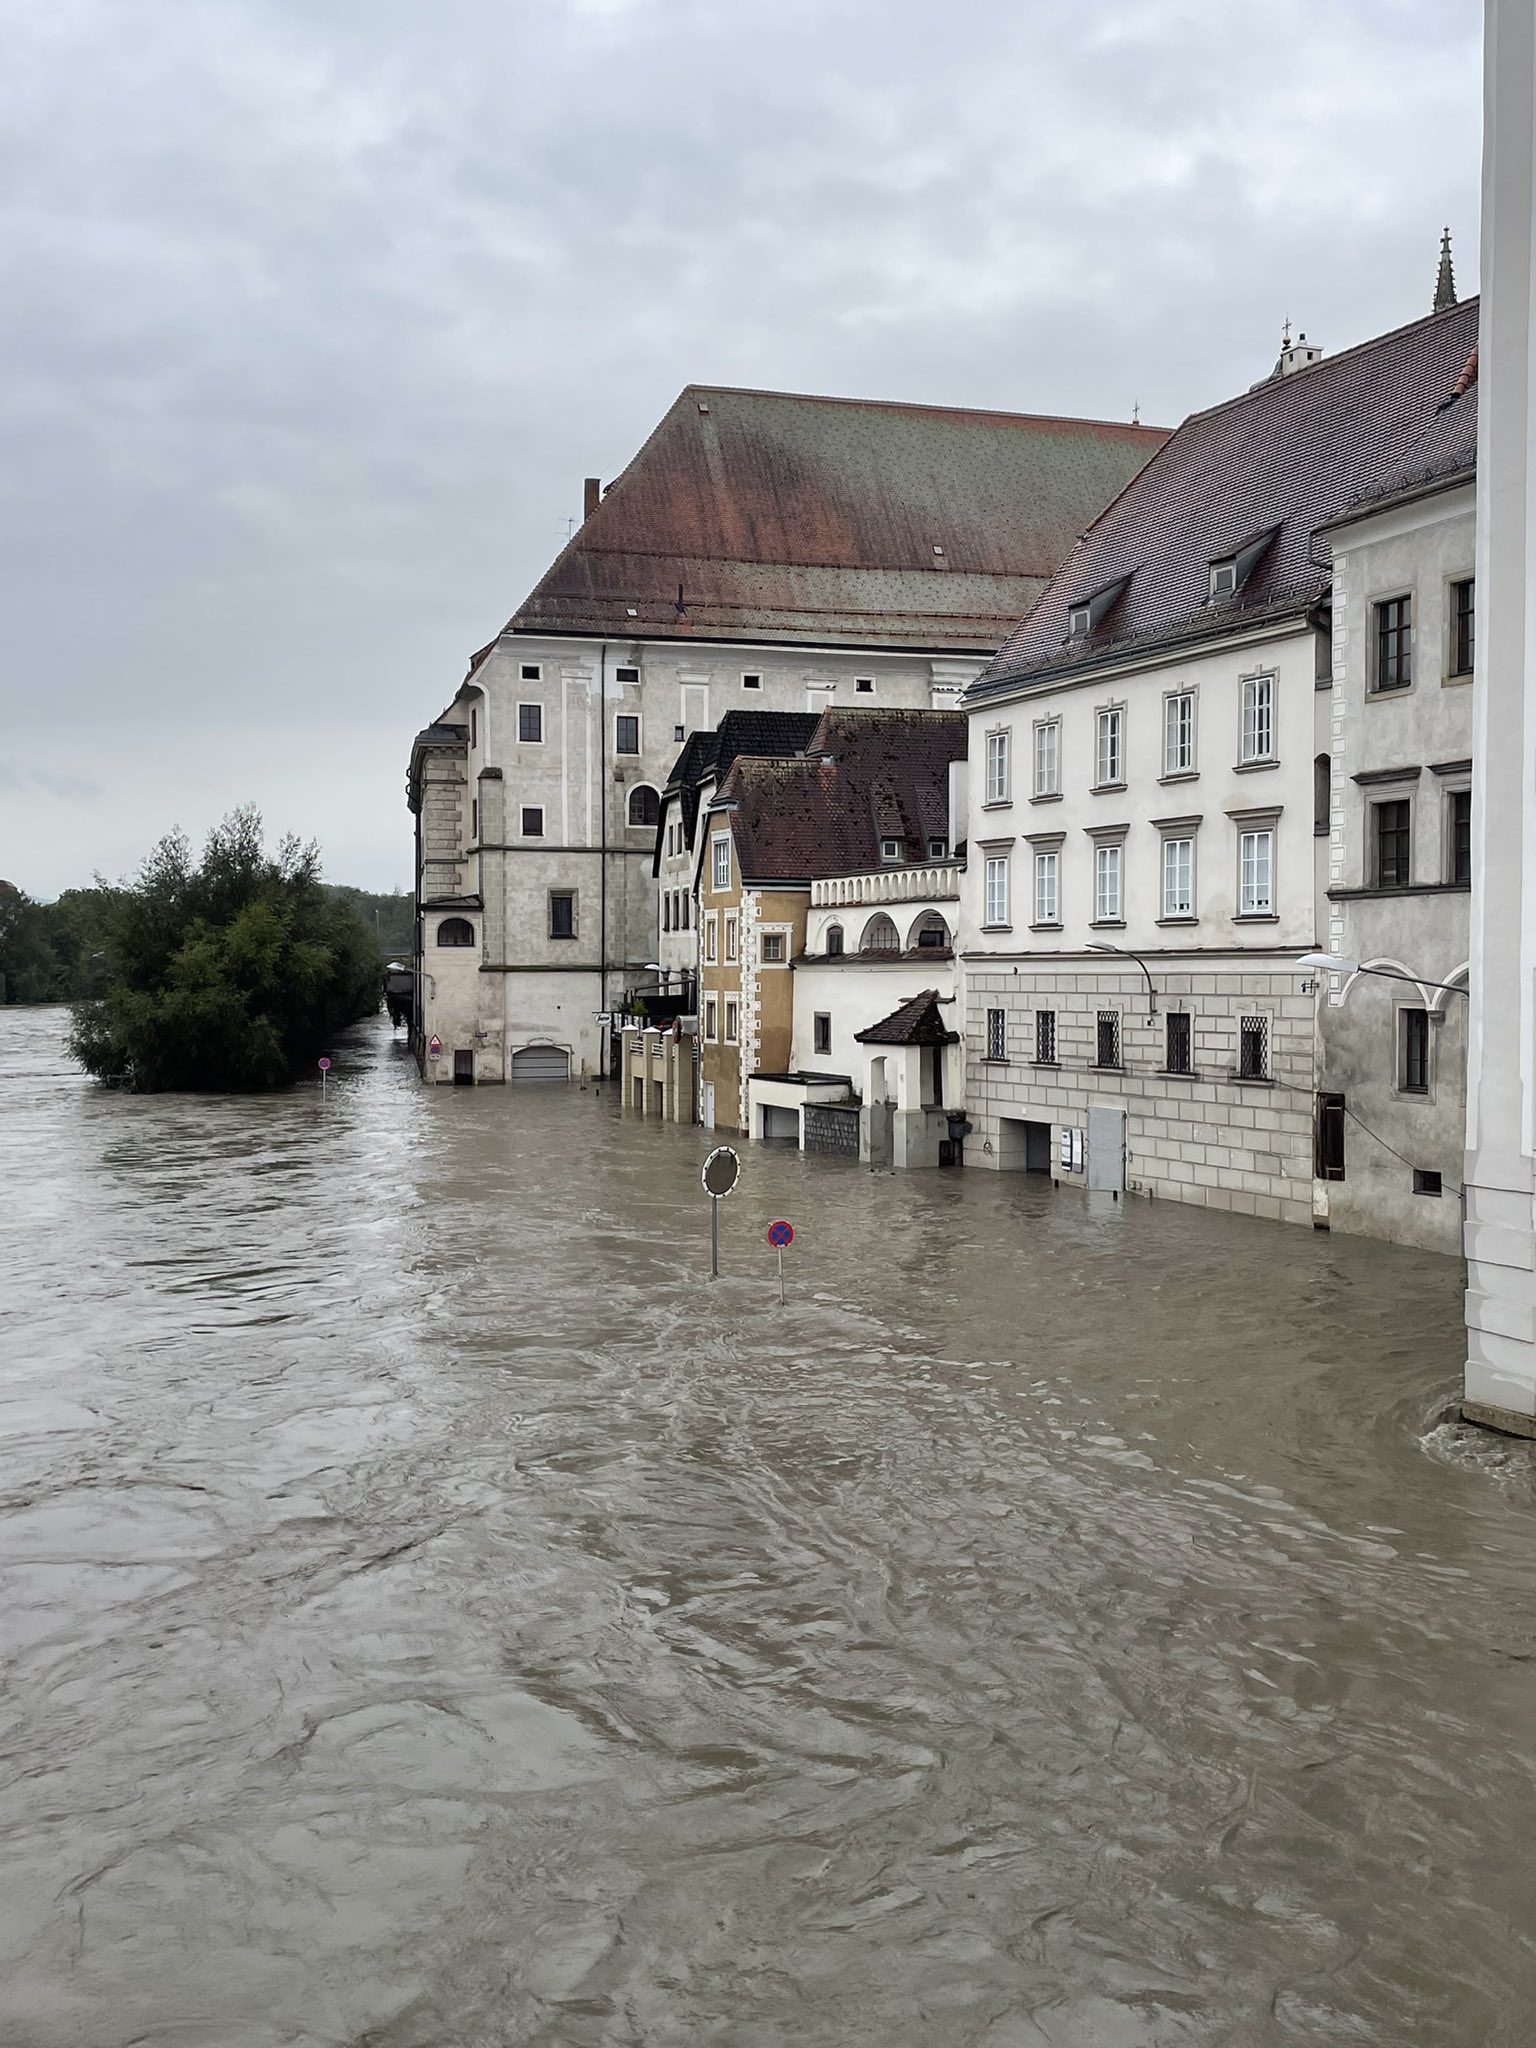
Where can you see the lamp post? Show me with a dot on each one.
(1332, 963)
(1126, 954)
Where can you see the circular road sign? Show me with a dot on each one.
(780, 1235)
(720, 1171)
(325, 1066)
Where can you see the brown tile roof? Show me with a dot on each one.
(1288, 455)
(916, 1022)
(867, 775)
(774, 516)
(707, 755)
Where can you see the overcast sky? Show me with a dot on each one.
(317, 312)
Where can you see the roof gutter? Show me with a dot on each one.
(1160, 654)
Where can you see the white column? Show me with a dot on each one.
(1500, 1231)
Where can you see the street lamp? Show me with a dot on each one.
(1126, 954)
(1331, 963)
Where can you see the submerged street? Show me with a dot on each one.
(433, 1614)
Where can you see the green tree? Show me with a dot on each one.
(230, 974)
(29, 967)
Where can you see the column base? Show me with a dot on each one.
(1509, 1421)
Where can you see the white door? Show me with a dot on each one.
(1106, 1150)
(709, 1105)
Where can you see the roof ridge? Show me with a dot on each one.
(1140, 428)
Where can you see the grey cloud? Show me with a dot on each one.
(318, 316)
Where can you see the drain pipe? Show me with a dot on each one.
(602, 834)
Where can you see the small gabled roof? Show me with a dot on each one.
(1287, 456)
(707, 756)
(916, 1022)
(777, 516)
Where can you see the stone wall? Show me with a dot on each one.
(831, 1130)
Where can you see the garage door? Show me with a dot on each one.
(779, 1122)
(541, 1063)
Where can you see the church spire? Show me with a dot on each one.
(1445, 283)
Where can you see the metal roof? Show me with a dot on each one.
(769, 515)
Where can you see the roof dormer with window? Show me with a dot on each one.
(1084, 614)
(1230, 572)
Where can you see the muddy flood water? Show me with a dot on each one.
(433, 1616)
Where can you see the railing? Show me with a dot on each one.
(936, 882)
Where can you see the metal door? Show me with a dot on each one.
(541, 1063)
(1106, 1150)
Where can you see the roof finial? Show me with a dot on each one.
(1285, 333)
(1445, 283)
(1136, 412)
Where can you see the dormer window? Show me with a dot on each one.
(891, 849)
(1230, 572)
(1083, 616)
(1223, 579)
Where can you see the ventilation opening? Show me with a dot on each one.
(1425, 1182)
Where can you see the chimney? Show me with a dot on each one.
(592, 496)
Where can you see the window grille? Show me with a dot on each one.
(1463, 627)
(1108, 1039)
(1178, 877)
(1426, 1182)
(1179, 734)
(1253, 1049)
(1413, 1053)
(1045, 1038)
(997, 1035)
(1394, 643)
(1258, 718)
(1180, 1047)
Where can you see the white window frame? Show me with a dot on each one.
(1048, 886)
(1170, 911)
(821, 1028)
(999, 766)
(525, 704)
(891, 848)
(1109, 883)
(711, 1020)
(711, 937)
(627, 753)
(995, 879)
(779, 932)
(732, 934)
(531, 672)
(1047, 765)
(720, 869)
(731, 1022)
(751, 679)
(1179, 728)
(864, 686)
(1248, 838)
(1256, 724)
(525, 830)
(1109, 747)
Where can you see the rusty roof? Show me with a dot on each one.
(866, 776)
(1283, 459)
(917, 1021)
(769, 515)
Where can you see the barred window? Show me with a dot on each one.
(997, 1035)
(1109, 1039)
(1045, 1038)
(1253, 1049)
(1413, 1052)
(1179, 1059)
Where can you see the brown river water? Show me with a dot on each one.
(433, 1616)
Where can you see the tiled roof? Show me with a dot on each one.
(867, 775)
(916, 1022)
(773, 516)
(1444, 454)
(708, 755)
(1289, 455)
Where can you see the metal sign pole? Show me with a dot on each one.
(781, 1276)
(720, 1172)
(714, 1237)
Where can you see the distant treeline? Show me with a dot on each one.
(58, 952)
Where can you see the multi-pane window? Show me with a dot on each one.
(1256, 873)
(997, 1035)
(1253, 1049)
(1463, 627)
(530, 723)
(1107, 1044)
(626, 733)
(711, 936)
(834, 941)
(720, 854)
(562, 914)
(1179, 733)
(730, 938)
(773, 948)
(1391, 837)
(1460, 834)
(711, 1018)
(822, 1026)
(1048, 757)
(1179, 1058)
(1047, 888)
(1258, 718)
(1413, 1051)
(997, 767)
(1178, 878)
(996, 905)
(1045, 1038)
(533, 821)
(732, 1013)
(1394, 643)
(1111, 747)
(1106, 883)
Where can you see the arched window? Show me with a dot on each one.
(834, 941)
(930, 930)
(455, 931)
(644, 805)
(880, 936)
